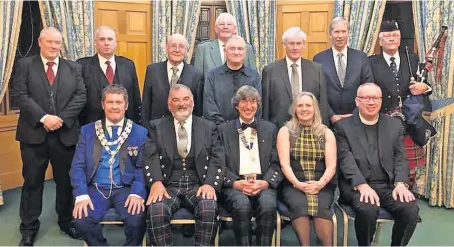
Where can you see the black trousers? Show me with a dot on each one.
(35, 159)
(405, 216)
(242, 207)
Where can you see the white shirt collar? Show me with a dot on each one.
(241, 120)
(119, 124)
(367, 122)
(45, 60)
(388, 57)
(102, 60)
(290, 62)
(187, 122)
(179, 66)
(221, 44)
(335, 52)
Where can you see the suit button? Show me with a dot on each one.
(184, 164)
(151, 179)
(204, 176)
(183, 160)
(215, 183)
(219, 170)
(160, 157)
(397, 84)
(165, 175)
(206, 168)
(208, 158)
(398, 90)
(148, 174)
(389, 96)
(146, 167)
(217, 177)
(162, 166)
(184, 168)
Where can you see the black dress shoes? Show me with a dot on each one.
(27, 241)
(72, 232)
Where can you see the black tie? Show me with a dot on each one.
(393, 66)
(250, 125)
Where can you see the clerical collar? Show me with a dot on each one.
(368, 122)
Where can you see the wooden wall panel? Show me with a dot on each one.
(312, 17)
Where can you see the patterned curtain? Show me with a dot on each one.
(364, 17)
(435, 180)
(74, 19)
(174, 16)
(11, 16)
(257, 25)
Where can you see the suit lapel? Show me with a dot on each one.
(361, 135)
(121, 71)
(123, 156)
(38, 68)
(165, 77)
(184, 75)
(233, 142)
(333, 69)
(97, 73)
(284, 71)
(199, 135)
(215, 53)
(350, 66)
(97, 151)
(62, 70)
(262, 143)
(170, 139)
(382, 142)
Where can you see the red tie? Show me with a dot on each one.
(50, 72)
(109, 73)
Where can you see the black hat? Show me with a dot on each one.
(389, 26)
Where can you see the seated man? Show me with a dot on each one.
(106, 172)
(252, 170)
(374, 170)
(184, 167)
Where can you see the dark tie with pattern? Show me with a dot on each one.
(114, 132)
(295, 80)
(341, 69)
(50, 72)
(174, 78)
(109, 73)
(393, 66)
(182, 144)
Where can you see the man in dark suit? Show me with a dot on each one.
(344, 69)
(114, 143)
(160, 77)
(373, 168)
(392, 73)
(252, 170)
(184, 167)
(284, 79)
(103, 69)
(50, 93)
(210, 54)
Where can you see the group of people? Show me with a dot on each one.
(216, 134)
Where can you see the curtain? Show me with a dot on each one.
(174, 16)
(74, 19)
(435, 180)
(257, 25)
(364, 17)
(11, 16)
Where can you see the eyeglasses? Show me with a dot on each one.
(369, 98)
(177, 47)
(233, 49)
(388, 36)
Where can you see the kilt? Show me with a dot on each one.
(416, 155)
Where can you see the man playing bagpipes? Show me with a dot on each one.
(403, 96)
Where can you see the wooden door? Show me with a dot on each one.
(312, 17)
(132, 24)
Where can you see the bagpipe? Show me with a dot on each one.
(413, 106)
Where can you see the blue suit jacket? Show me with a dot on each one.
(88, 155)
(341, 100)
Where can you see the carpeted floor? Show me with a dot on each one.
(435, 230)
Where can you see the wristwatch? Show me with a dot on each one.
(405, 184)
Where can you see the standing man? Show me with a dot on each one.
(106, 172)
(210, 54)
(103, 69)
(252, 170)
(160, 77)
(184, 167)
(222, 83)
(50, 93)
(344, 69)
(284, 79)
(392, 73)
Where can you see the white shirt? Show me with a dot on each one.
(188, 126)
(102, 63)
(336, 59)
(388, 59)
(55, 69)
(298, 68)
(247, 166)
(170, 70)
(221, 50)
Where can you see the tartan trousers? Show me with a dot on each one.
(243, 207)
(183, 194)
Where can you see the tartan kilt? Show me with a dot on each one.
(416, 155)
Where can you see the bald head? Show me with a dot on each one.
(368, 86)
(105, 41)
(50, 42)
(176, 48)
(368, 100)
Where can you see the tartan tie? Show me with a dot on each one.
(341, 69)
(393, 66)
(50, 72)
(182, 145)
(295, 80)
(174, 78)
(109, 73)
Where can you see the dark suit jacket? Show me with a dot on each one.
(157, 86)
(161, 146)
(88, 154)
(36, 99)
(269, 162)
(342, 99)
(277, 91)
(95, 81)
(354, 157)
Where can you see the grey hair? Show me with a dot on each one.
(225, 16)
(245, 92)
(367, 84)
(178, 87)
(105, 28)
(337, 20)
(175, 35)
(235, 37)
(115, 89)
(49, 30)
(293, 32)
